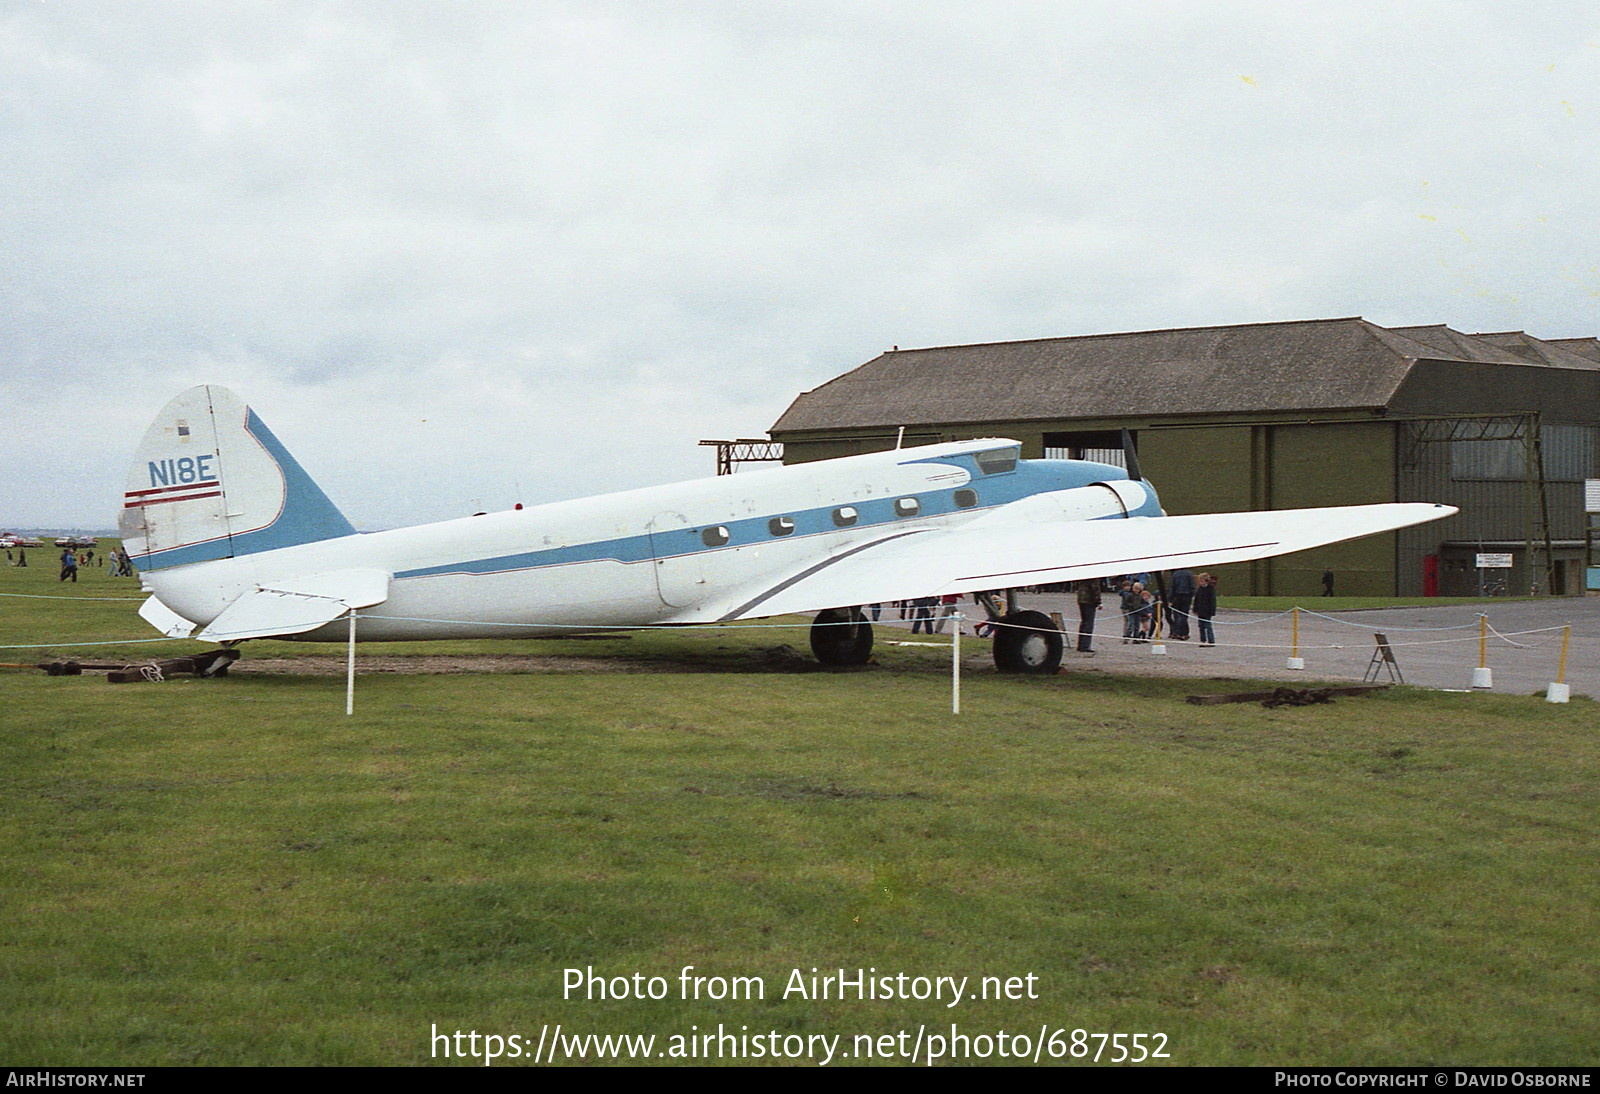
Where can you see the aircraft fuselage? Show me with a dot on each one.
(690, 552)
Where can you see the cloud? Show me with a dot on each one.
(599, 231)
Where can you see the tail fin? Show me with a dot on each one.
(210, 481)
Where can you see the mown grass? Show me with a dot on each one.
(232, 872)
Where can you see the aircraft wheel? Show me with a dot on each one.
(1027, 642)
(841, 636)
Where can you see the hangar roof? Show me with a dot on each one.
(1325, 364)
(1588, 348)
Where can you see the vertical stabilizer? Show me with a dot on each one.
(210, 481)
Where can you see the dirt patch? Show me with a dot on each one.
(773, 659)
(1197, 664)
(426, 665)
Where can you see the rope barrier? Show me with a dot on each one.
(1521, 645)
(113, 642)
(103, 599)
(1394, 645)
(1332, 619)
(1386, 630)
(587, 628)
(593, 628)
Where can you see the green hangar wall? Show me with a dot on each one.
(1229, 468)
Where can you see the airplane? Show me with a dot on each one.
(235, 541)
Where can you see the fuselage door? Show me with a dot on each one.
(679, 559)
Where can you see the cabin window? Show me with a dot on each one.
(966, 499)
(907, 507)
(715, 536)
(781, 526)
(998, 461)
(845, 516)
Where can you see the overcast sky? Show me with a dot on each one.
(463, 253)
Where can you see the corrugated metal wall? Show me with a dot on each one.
(1500, 507)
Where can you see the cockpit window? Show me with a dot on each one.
(998, 461)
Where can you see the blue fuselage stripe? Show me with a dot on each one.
(1031, 477)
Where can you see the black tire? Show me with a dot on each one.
(1027, 642)
(841, 636)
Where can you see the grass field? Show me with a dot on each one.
(233, 872)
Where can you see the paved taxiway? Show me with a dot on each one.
(1435, 647)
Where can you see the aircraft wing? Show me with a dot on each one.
(1004, 554)
(296, 606)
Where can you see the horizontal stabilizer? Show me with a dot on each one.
(165, 620)
(297, 605)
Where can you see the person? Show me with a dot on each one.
(922, 619)
(1180, 599)
(1205, 606)
(1132, 601)
(949, 608)
(22, 557)
(1088, 604)
(1149, 615)
(69, 566)
(984, 628)
(1327, 582)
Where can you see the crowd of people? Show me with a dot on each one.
(117, 562)
(1145, 616)
(1189, 606)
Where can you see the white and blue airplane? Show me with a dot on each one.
(235, 541)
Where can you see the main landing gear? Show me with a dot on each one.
(841, 636)
(1027, 642)
(1024, 642)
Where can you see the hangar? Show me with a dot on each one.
(1277, 416)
